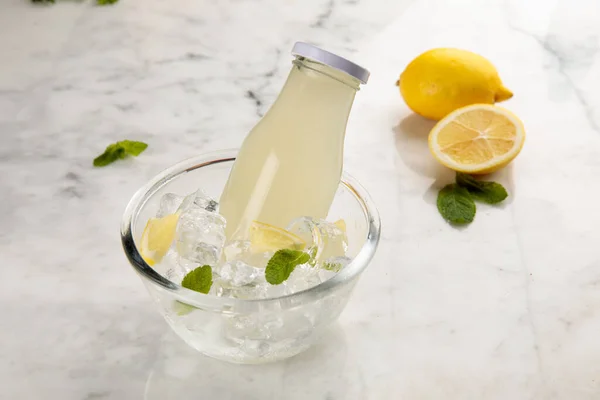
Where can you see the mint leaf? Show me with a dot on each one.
(487, 192)
(281, 265)
(199, 279)
(119, 150)
(132, 147)
(456, 205)
(112, 153)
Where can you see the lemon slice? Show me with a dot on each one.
(157, 238)
(341, 224)
(265, 237)
(477, 139)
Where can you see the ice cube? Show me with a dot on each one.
(335, 241)
(323, 239)
(238, 273)
(200, 236)
(169, 204)
(198, 199)
(241, 328)
(166, 266)
(306, 276)
(169, 267)
(303, 277)
(307, 230)
(247, 292)
(174, 267)
(241, 250)
(236, 249)
(185, 265)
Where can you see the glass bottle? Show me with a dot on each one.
(290, 163)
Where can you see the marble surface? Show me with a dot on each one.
(508, 308)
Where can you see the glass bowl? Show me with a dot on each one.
(257, 330)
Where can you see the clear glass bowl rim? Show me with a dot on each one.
(210, 302)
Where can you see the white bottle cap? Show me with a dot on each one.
(314, 53)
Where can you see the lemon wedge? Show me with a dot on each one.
(477, 139)
(265, 237)
(157, 237)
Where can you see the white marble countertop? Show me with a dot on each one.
(508, 308)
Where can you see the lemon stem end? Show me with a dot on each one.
(502, 94)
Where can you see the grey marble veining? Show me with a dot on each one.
(508, 308)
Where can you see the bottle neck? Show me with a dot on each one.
(317, 95)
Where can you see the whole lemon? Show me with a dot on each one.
(442, 80)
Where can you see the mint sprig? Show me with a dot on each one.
(455, 201)
(282, 264)
(199, 280)
(487, 192)
(456, 205)
(118, 151)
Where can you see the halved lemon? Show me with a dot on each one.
(265, 237)
(477, 139)
(157, 237)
